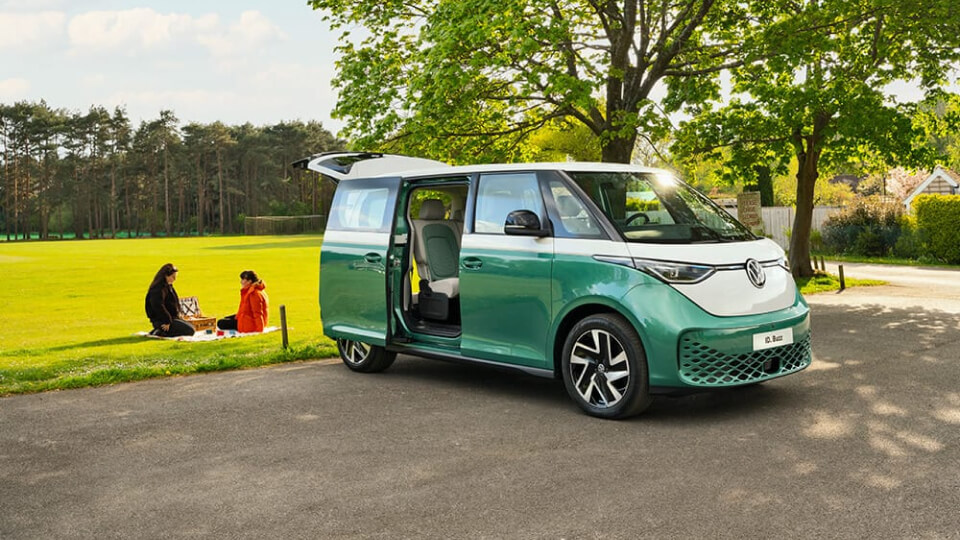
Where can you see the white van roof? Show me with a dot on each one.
(348, 165)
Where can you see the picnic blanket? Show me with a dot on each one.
(213, 336)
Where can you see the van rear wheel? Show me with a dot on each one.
(605, 368)
(364, 358)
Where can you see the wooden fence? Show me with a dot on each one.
(777, 220)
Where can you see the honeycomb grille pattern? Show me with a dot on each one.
(703, 366)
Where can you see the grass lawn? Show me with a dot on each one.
(829, 282)
(70, 308)
(887, 260)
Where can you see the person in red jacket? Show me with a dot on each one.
(251, 316)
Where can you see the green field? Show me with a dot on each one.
(70, 308)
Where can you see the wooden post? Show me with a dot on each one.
(823, 264)
(843, 283)
(283, 324)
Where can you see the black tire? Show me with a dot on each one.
(364, 358)
(589, 378)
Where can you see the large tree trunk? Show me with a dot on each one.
(618, 150)
(807, 175)
(808, 156)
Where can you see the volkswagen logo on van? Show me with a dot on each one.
(755, 273)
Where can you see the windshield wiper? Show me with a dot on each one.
(710, 232)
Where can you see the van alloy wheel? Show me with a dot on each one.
(363, 357)
(604, 367)
(353, 352)
(599, 368)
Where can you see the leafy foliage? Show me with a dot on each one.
(471, 81)
(815, 90)
(93, 174)
(938, 217)
(868, 227)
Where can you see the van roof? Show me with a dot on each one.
(575, 166)
(346, 165)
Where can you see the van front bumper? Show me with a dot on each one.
(688, 348)
(719, 358)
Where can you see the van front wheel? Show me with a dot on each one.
(364, 358)
(604, 367)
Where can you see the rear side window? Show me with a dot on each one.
(363, 205)
(500, 194)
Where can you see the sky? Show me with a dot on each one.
(234, 61)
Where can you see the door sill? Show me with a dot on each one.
(432, 354)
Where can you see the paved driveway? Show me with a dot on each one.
(864, 444)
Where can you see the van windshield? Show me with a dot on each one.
(658, 208)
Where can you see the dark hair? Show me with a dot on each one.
(161, 277)
(249, 275)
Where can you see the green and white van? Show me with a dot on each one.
(621, 280)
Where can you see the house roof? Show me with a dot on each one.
(953, 174)
(944, 173)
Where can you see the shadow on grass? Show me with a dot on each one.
(125, 340)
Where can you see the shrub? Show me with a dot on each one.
(816, 241)
(908, 246)
(938, 221)
(869, 227)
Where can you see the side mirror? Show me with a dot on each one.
(524, 223)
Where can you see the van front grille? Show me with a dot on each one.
(701, 365)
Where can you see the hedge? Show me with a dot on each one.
(868, 227)
(938, 219)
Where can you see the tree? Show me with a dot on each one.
(814, 89)
(469, 81)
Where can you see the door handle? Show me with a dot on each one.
(372, 258)
(472, 263)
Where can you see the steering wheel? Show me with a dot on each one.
(646, 219)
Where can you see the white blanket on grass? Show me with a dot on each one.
(213, 336)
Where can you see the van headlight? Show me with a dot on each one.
(672, 272)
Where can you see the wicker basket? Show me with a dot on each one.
(190, 311)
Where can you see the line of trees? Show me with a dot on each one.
(93, 174)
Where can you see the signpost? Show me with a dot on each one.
(748, 211)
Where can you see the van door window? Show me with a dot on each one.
(500, 194)
(575, 219)
(360, 209)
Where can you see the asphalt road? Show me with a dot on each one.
(864, 444)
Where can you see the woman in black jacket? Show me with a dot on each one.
(163, 305)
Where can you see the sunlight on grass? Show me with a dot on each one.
(829, 282)
(72, 307)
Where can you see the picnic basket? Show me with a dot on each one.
(191, 312)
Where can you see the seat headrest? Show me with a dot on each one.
(567, 206)
(432, 209)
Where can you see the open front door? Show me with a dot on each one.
(354, 299)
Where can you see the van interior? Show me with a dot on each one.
(431, 285)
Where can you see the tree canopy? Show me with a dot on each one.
(816, 89)
(470, 81)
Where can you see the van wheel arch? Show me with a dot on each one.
(569, 320)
